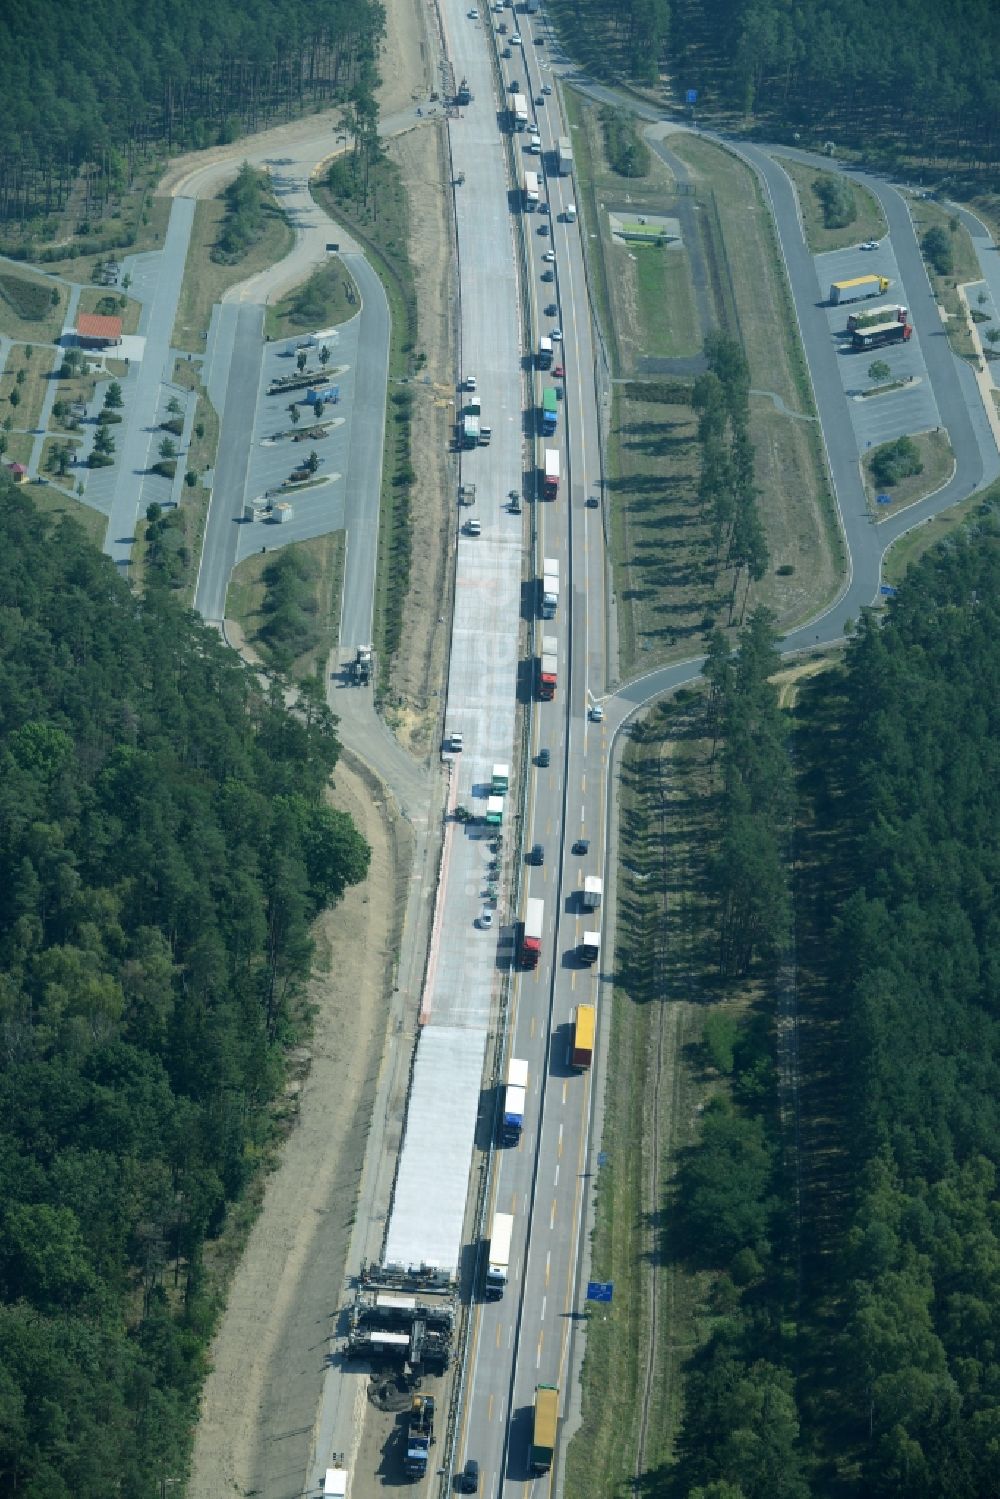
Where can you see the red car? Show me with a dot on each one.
(559, 372)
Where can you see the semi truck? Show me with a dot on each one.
(498, 1258)
(519, 111)
(857, 288)
(545, 353)
(880, 335)
(548, 669)
(514, 1099)
(543, 1435)
(531, 940)
(550, 587)
(470, 431)
(530, 191)
(550, 411)
(494, 811)
(564, 149)
(589, 949)
(550, 487)
(867, 317)
(419, 1436)
(500, 780)
(593, 891)
(584, 1026)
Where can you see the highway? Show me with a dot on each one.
(524, 1339)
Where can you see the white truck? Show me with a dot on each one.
(530, 191)
(498, 1258)
(589, 949)
(519, 111)
(545, 353)
(564, 150)
(515, 1095)
(593, 892)
(550, 587)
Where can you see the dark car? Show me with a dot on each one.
(470, 1477)
(543, 228)
(581, 846)
(544, 758)
(537, 855)
(552, 310)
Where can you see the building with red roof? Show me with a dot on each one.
(94, 331)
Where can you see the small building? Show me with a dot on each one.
(18, 472)
(95, 331)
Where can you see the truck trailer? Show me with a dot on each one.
(530, 191)
(593, 892)
(564, 150)
(543, 1435)
(880, 335)
(531, 940)
(584, 1028)
(857, 288)
(500, 780)
(545, 353)
(550, 411)
(519, 111)
(548, 669)
(470, 431)
(550, 486)
(867, 317)
(514, 1100)
(498, 1258)
(550, 587)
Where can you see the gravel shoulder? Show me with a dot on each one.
(260, 1399)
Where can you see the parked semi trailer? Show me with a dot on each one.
(857, 288)
(880, 335)
(867, 317)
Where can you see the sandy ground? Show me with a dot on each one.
(260, 1401)
(261, 1396)
(418, 673)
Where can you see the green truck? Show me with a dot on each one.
(543, 1439)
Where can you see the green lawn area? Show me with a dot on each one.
(927, 214)
(938, 460)
(247, 592)
(27, 308)
(142, 210)
(665, 301)
(637, 1347)
(206, 281)
(869, 223)
(110, 303)
(329, 297)
(911, 547)
(50, 501)
(31, 390)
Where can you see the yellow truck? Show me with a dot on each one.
(543, 1437)
(857, 288)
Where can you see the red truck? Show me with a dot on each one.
(531, 939)
(550, 487)
(548, 669)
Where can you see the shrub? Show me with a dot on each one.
(896, 461)
(936, 245)
(836, 198)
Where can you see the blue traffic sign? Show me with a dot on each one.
(887, 591)
(600, 1290)
(883, 499)
(691, 97)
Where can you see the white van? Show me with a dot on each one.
(473, 528)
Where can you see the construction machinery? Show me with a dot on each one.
(419, 1436)
(363, 666)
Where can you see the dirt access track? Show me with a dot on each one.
(260, 1403)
